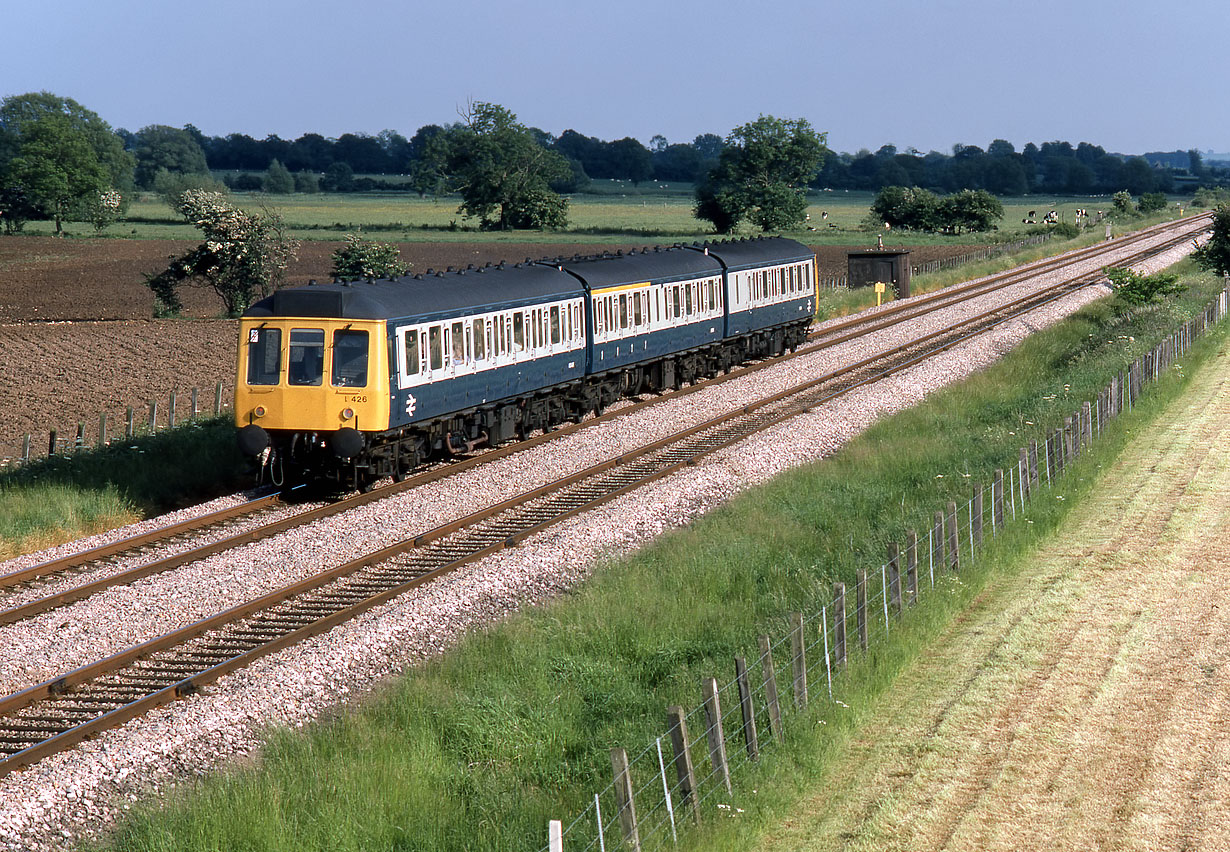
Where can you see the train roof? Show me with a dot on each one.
(650, 264)
(422, 295)
(511, 285)
(756, 251)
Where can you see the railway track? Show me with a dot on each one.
(101, 559)
(56, 714)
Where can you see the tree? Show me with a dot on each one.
(277, 180)
(161, 148)
(503, 174)
(1215, 254)
(244, 255)
(905, 207)
(970, 210)
(1152, 202)
(762, 175)
(1125, 208)
(360, 259)
(428, 165)
(60, 156)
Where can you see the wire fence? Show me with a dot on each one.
(102, 431)
(687, 774)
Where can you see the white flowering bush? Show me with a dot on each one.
(362, 258)
(244, 257)
(106, 209)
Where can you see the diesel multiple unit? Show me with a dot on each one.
(357, 381)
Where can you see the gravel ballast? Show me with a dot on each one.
(80, 792)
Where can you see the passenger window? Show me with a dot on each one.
(411, 352)
(687, 299)
(555, 330)
(459, 343)
(264, 356)
(675, 300)
(349, 359)
(480, 350)
(637, 316)
(623, 310)
(307, 356)
(435, 345)
(518, 332)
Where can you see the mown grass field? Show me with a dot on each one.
(616, 213)
(478, 749)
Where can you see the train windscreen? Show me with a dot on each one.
(264, 356)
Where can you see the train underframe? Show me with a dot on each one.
(398, 452)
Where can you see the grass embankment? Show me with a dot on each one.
(477, 750)
(64, 497)
(1080, 701)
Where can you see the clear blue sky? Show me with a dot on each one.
(1131, 76)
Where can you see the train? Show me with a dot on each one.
(352, 382)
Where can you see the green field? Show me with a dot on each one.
(616, 212)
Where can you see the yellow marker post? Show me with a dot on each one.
(879, 292)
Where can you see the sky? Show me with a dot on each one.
(1131, 76)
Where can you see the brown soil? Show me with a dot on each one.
(77, 338)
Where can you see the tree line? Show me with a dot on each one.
(61, 161)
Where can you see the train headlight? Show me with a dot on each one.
(347, 413)
(259, 411)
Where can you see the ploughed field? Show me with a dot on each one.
(77, 335)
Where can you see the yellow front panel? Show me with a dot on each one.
(312, 407)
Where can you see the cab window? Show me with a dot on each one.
(349, 359)
(307, 356)
(264, 356)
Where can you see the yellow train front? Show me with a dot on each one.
(308, 388)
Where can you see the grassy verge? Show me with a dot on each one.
(63, 497)
(478, 749)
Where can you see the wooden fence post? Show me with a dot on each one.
(79, 441)
(894, 577)
(911, 566)
(768, 675)
(623, 798)
(171, 412)
(555, 836)
(954, 546)
(195, 410)
(218, 400)
(798, 660)
(1033, 462)
(131, 428)
(25, 448)
(677, 728)
(1088, 415)
(102, 430)
(714, 734)
(747, 709)
(839, 624)
(153, 416)
(860, 607)
(51, 443)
